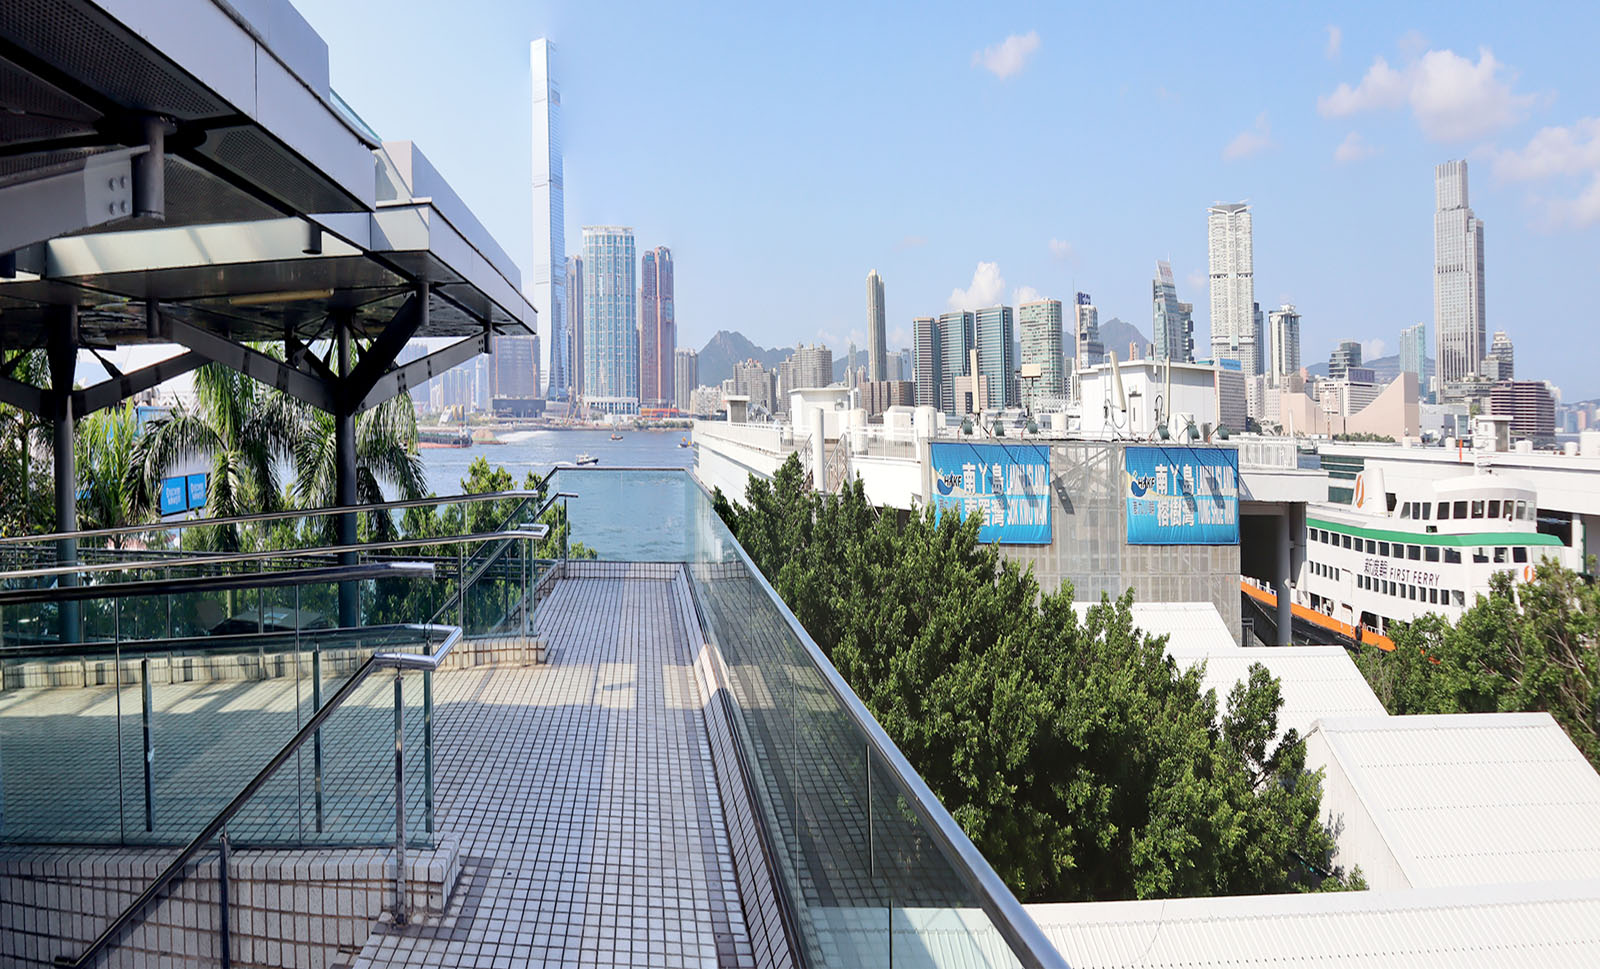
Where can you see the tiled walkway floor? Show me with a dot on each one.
(582, 796)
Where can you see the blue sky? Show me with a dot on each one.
(782, 151)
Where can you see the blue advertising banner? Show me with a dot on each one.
(1182, 495)
(174, 496)
(197, 490)
(1009, 483)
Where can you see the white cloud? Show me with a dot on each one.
(1251, 142)
(1560, 153)
(1062, 249)
(1451, 98)
(1353, 148)
(1009, 56)
(1373, 349)
(986, 289)
(1025, 294)
(1335, 42)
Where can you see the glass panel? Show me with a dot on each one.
(1460, 510)
(1519, 554)
(1494, 508)
(1443, 511)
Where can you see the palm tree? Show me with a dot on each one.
(386, 455)
(107, 491)
(245, 429)
(29, 505)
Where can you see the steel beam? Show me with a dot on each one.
(109, 393)
(34, 400)
(403, 378)
(411, 315)
(254, 364)
(86, 192)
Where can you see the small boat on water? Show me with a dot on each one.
(683, 442)
(585, 459)
(615, 436)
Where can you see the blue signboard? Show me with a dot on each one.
(1009, 483)
(1182, 495)
(197, 491)
(174, 496)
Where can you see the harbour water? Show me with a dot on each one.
(542, 450)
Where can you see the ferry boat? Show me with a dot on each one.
(1400, 555)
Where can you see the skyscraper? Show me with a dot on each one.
(877, 335)
(1414, 352)
(610, 318)
(1040, 323)
(1345, 356)
(955, 346)
(1500, 362)
(929, 362)
(1458, 305)
(549, 223)
(1259, 330)
(685, 378)
(657, 337)
(1172, 323)
(994, 329)
(575, 323)
(1087, 349)
(1285, 343)
(1233, 288)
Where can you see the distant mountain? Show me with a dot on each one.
(729, 347)
(1116, 334)
(1384, 369)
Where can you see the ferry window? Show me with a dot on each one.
(1433, 597)
(1500, 555)
(1414, 552)
(1405, 510)
(1452, 556)
(1494, 509)
(1522, 511)
(1371, 546)
(1411, 593)
(1427, 511)
(1459, 597)
(1519, 554)
(1508, 515)
(1480, 554)
(1460, 510)
(1431, 554)
(1477, 508)
(1383, 548)
(1444, 510)
(1346, 541)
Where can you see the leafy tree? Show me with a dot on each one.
(1523, 647)
(26, 482)
(108, 494)
(1081, 761)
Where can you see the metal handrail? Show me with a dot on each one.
(218, 583)
(223, 558)
(264, 516)
(223, 643)
(397, 661)
(1011, 920)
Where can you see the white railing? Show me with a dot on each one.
(775, 439)
(1276, 452)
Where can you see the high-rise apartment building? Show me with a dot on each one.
(928, 370)
(752, 379)
(1285, 343)
(1087, 349)
(995, 328)
(1531, 407)
(657, 336)
(1458, 304)
(1233, 287)
(877, 332)
(956, 342)
(1259, 328)
(610, 318)
(1345, 356)
(1172, 321)
(549, 225)
(575, 323)
(811, 366)
(1500, 362)
(1040, 323)
(685, 378)
(1414, 353)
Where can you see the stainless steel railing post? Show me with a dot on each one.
(225, 942)
(149, 748)
(399, 801)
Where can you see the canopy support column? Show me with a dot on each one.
(344, 456)
(62, 351)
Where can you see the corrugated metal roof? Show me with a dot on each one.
(1474, 798)
(1184, 623)
(1540, 926)
(1317, 682)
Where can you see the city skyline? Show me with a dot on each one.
(1106, 215)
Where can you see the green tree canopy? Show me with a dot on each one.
(1080, 760)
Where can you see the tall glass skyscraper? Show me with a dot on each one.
(955, 344)
(1414, 353)
(877, 337)
(995, 326)
(1233, 286)
(1040, 323)
(575, 323)
(549, 224)
(657, 336)
(1285, 343)
(928, 363)
(1172, 323)
(610, 319)
(1459, 325)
